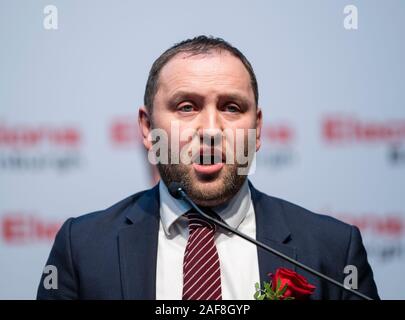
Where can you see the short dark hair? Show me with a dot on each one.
(198, 45)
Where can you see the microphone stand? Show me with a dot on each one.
(183, 195)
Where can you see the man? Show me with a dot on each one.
(152, 246)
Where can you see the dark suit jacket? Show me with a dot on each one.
(111, 254)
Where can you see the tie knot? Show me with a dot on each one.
(197, 221)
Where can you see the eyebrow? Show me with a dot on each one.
(180, 95)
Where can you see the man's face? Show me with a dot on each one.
(205, 94)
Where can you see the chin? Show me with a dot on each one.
(209, 193)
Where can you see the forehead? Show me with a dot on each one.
(213, 71)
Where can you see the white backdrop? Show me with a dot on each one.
(333, 101)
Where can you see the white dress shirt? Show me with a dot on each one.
(238, 257)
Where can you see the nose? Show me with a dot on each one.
(210, 126)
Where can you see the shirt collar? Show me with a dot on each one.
(233, 212)
(171, 208)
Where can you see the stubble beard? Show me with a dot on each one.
(207, 193)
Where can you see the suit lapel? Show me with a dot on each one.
(138, 242)
(138, 247)
(272, 230)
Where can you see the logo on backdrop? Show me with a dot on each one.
(125, 132)
(38, 147)
(346, 130)
(23, 228)
(278, 147)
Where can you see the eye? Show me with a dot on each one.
(186, 108)
(231, 108)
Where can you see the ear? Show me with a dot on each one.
(144, 121)
(259, 124)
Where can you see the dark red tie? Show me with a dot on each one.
(201, 268)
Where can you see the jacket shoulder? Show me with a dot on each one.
(294, 212)
(111, 216)
(310, 227)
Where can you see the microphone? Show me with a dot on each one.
(177, 191)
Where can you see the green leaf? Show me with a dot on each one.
(267, 287)
(278, 284)
(257, 286)
(271, 295)
(284, 289)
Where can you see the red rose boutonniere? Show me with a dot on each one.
(285, 284)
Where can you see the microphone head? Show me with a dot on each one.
(175, 189)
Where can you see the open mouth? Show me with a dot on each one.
(208, 159)
(208, 162)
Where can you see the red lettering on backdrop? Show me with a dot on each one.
(125, 131)
(337, 129)
(18, 228)
(280, 133)
(25, 136)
